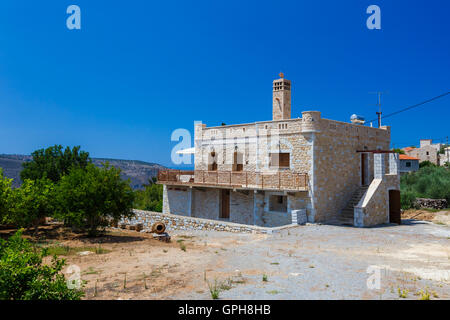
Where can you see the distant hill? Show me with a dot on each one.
(139, 172)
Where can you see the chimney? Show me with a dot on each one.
(281, 102)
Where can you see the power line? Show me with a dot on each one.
(413, 106)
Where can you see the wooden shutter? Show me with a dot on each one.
(284, 160)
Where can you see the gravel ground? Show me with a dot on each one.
(324, 262)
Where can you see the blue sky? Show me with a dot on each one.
(137, 70)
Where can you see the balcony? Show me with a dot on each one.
(283, 180)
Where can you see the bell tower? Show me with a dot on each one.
(281, 101)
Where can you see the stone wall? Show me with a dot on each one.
(175, 200)
(205, 203)
(246, 206)
(241, 207)
(373, 208)
(337, 164)
(176, 222)
(254, 142)
(431, 203)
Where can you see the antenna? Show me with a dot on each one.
(378, 93)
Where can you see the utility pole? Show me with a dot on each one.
(379, 93)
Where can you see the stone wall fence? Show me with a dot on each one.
(143, 221)
(431, 203)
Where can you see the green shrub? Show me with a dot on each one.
(150, 198)
(426, 163)
(429, 182)
(34, 200)
(407, 199)
(5, 197)
(24, 277)
(91, 198)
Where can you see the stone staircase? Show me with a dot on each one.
(347, 214)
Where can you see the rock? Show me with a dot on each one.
(84, 253)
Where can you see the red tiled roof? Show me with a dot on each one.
(408, 148)
(405, 157)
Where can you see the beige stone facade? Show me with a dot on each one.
(428, 151)
(274, 167)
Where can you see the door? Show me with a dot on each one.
(364, 169)
(394, 207)
(225, 204)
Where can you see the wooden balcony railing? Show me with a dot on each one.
(282, 180)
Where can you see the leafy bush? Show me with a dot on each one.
(429, 182)
(151, 198)
(407, 199)
(52, 163)
(5, 197)
(24, 277)
(426, 163)
(399, 151)
(32, 202)
(91, 198)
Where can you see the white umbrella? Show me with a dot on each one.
(186, 151)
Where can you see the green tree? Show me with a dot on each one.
(150, 198)
(90, 198)
(32, 202)
(5, 197)
(24, 277)
(400, 151)
(52, 163)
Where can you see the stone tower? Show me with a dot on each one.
(281, 101)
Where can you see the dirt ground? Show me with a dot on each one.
(304, 262)
(435, 216)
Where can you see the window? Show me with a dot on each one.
(428, 153)
(212, 163)
(408, 164)
(238, 161)
(278, 203)
(279, 160)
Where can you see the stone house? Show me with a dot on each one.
(408, 164)
(269, 173)
(428, 151)
(445, 157)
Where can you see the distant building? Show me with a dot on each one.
(444, 158)
(428, 151)
(408, 164)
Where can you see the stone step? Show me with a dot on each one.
(346, 221)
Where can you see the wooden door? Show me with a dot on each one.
(394, 207)
(225, 204)
(364, 165)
